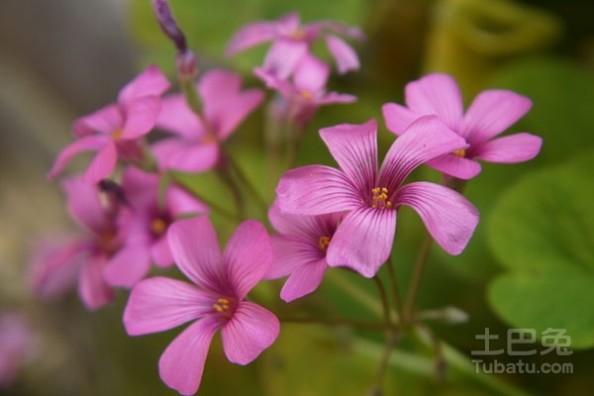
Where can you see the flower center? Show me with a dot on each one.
(323, 242)
(379, 198)
(158, 226)
(460, 153)
(307, 95)
(297, 34)
(224, 306)
(117, 134)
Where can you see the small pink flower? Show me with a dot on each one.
(307, 90)
(196, 146)
(115, 129)
(372, 197)
(147, 225)
(17, 346)
(56, 265)
(300, 250)
(491, 113)
(292, 41)
(223, 280)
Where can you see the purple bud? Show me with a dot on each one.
(168, 24)
(187, 65)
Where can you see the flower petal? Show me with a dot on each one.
(104, 120)
(185, 156)
(354, 147)
(453, 165)
(141, 116)
(251, 330)
(290, 253)
(344, 55)
(311, 75)
(491, 113)
(436, 94)
(93, 290)
(304, 227)
(425, 139)
(363, 241)
(316, 189)
(177, 117)
(250, 36)
(103, 164)
(161, 253)
(151, 82)
(449, 217)
(182, 363)
(398, 118)
(84, 205)
(140, 189)
(304, 280)
(510, 149)
(87, 143)
(333, 97)
(54, 266)
(283, 57)
(180, 202)
(248, 256)
(159, 303)
(129, 265)
(225, 106)
(196, 251)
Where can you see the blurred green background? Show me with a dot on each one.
(529, 265)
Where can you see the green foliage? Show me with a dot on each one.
(542, 230)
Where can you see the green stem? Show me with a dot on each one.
(225, 175)
(188, 88)
(395, 291)
(262, 204)
(360, 324)
(212, 205)
(413, 292)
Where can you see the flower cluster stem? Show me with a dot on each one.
(413, 292)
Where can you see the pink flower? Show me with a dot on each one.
(300, 250)
(196, 146)
(491, 113)
(56, 265)
(292, 41)
(223, 280)
(17, 346)
(115, 129)
(306, 93)
(363, 240)
(147, 225)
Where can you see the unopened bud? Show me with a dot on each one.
(187, 65)
(168, 25)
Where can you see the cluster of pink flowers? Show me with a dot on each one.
(134, 214)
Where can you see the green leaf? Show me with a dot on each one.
(543, 231)
(555, 299)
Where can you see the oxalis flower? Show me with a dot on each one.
(300, 250)
(196, 146)
(217, 301)
(307, 90)
(372, 197)
(147, 225)
(292, 41)
(491, 113)
(115, 129)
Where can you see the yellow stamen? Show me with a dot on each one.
(117, 134)
(323, 242)
(298, 34)
(222, 305)
(307, 95)
(158, 226)
(459, 153)
(380, 197)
